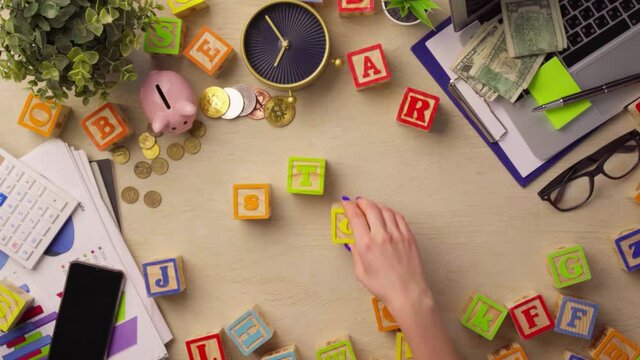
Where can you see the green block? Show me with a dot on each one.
(568, 266)
(306, 176)
(484, 316)
(339, 350)
(164, 37)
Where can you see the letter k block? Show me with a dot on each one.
(530, 315)
(484, 316)
(306, 176)
(105, 127)
(576, 317)
(568, 266)
(417, 109)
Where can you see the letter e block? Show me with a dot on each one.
(341, 232)
(384, 318)
(627, 248)
(15, 302)
(164, 277)
(165, 37)
(417, 109)
(576, 317)
(250, 331)
(306, 176)
(208, 347)
(337, 349)
(368, 67)
(286, 353)
(634, 110)
(183, 8)
(568, 266)
(403, 351)
(209, 51)
(356, 7)
(483, 315)
(44, 118)
(251, 201)
(612, 345)
(512, 351)
(530, 315)
(105, 127)
(568, 355)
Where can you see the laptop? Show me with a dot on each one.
(604, 45)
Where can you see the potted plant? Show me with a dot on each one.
(71, 46)
(409, 12)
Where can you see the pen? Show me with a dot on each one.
(586, 94)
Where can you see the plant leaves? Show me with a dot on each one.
(105, 17)
(92, 57)
(97, 29)
(31, 9)
(61, 2)
(49, 10)
(421, 14)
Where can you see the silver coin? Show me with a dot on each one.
(249, 98)
(236, 103)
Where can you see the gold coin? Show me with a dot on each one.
(198, 129)
(159, 166)
(192, 145)
(151, 153)
(121, 155)
(153, 133)
(214, 102)
(152, 199)
(142, 169)
(175, 151)
(146, 140)
(130, 195)
(279, 112)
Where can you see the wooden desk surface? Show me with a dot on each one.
(476, 227)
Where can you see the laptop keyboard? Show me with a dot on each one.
(590, 24)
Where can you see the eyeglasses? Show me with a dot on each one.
(574, 187)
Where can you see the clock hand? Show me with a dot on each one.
(282, 40)
(282, 49)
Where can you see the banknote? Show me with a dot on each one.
(533, 27)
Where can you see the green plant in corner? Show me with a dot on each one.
(419, 8)
(72, 46)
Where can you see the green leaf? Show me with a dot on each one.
(60, 62)
(92, 57)
(8, 25)
(49, 10)
(31, 9)
(421, 14)
(90, 15)
(105, 17)
(74, 53)
(63, 44)
(42, 23)
(61, 3)
(97, 29)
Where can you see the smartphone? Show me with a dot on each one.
(87, 312)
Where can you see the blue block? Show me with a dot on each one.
(632, 248)
(255, 330)
(168, 268)
(576, 357)
(3, 198)
(571, 312)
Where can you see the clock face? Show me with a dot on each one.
(298, 60)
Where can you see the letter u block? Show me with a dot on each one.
(250, 331)
(483, 315)
(512, 351)
(530, 315)
(356, 7)
(612, 345)
(576, 317)
(165, 37)
(568, 266)
(15, 302)
(251, 201)
(43, 118)
(208, 50)
(417, 109)
(341, 232)
(183, 8)
(208, 347)
(164, 276)
(368, 67)
(306, 176)
(403, 351)
(627, 248)
(285, 353)
(105, 127)
(338, 349)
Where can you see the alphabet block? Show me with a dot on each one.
(483, 315)
(568, 266)
(576, 317)
(341, 232)
(512, 351)
(250, 331)
(46, 118)
(251, 201)
(384, 318)
(337, 349)
(568, 355)
(105, 127)
(530, 315)
(164, 276)
(208, 50)
(612, 345)
(356, 7)
(13, 303)
(627, 248)
(286, 353)
(165, 37)
(417, 109)
(368, 67)
(306, 176)
(403, 351)
(634, 110)
(183, 8)
(208, 347)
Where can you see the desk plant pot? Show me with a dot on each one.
(409, 12)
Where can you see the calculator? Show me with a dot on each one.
(32, 211)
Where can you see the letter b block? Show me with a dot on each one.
(164, 277)
(530, 315)
(568, 266)
(182, 8)
(627, 246)
(484, 316)
(339, 349)
(368, 67)
(208, 51)
(250, 331)
(306, 176)
(208, 347)
(576, 317)
(165, 37)
(44, 118)
(417, 109)
(105, 127)
(251, 201)
(612, 345)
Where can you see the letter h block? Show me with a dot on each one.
(251, 201)
(627, 247)
(483, 316)
(306, 176)
(417, 109)
(183, 8)
(43, 118)
(208, 50)
(568, 355)
(368, 67)
(164, 277)
(512, 351)
(356, 7)
(250, 331)
(208, 347)
(576, 317)
(530, 315)
(105, 127)
(165, 36)
(568, 266)
(285, 353)
(341, 232)
(612, 345)
(338, 349)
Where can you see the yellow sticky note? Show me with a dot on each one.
(551, 82)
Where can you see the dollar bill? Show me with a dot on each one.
(533, 27)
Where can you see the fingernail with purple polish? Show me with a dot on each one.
(346, 198)
(346, 246)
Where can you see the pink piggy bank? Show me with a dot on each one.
(168, 102)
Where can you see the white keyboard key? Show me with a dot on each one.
(4, 217)
(34, 240)
(10, 206)
(15, 245)
(54, 200)
(21, 213)
(25, 253)
(43, 228)
(38, 189)
(33, 220)
(41, 209)
(13, 225)
(51, 216)
(20, 193)
(27, 182)
(8, 186)
(17, 174)
(30, 200)
(4, 238)
(22, 234)
(7, 167)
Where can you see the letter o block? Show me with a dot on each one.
(634, 110)
(568, 266)
(164, 277)
(183, 8)
(306, 176)
(417, 109)
(208, 50)
(356, 7)
(165, 37)
(612, 345)
(44, 118)
(512, 351)
(368, 67)
(576, 317)
(250, 331)
(483, 316)
(530, 315)
(207, 347)
(251, 201)
(105, 127)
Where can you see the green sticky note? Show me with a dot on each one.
(551, 82)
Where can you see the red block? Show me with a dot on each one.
(530, 315)
(368, 66)
(208, 347)
(356, 7)
(417, 109)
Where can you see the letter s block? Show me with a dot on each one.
(105, 127)
(164, 276)
(165, 37)
(356, 7)
(568, 266)
(306, 176)
(483, 315)
(208, 51)
(530, 315)
(612, 345)
(250, 331)
(183, 8)
(512, 351)
(576, 317)
(251, 201)
(368, 67)
(417, 109)
(44, 118)
(208, 347)
(627, 248)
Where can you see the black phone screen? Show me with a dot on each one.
(87, 313)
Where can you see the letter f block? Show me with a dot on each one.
(576, 317)
(306, 176)
(484, 316)
(105, 127)
(530, 315)
(417, 109)
(164, 276)
(250, 331)
(568, 266)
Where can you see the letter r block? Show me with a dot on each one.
(627, 246)
(306, 176)
(164, 276)
(612, 345)
(368, 67)
(44, 118)
(250, 331)
(576, 317)
(417, 109)
(208, 347)
(568, 266)
(165, 36)
(251, 201)
(356, 7)
(530, 315)
(105, 127)
(208, 50)
(483, 315)
(183, 8)
(339, 349)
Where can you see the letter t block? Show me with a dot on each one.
(530, 315)
(306, 176)
(208, 50)
(368, 67)
(164, 276)
(576, 317)
(568, 266)
(105, 127)
(417, 109)
(483, 315)
(250, 331)
(612, 345)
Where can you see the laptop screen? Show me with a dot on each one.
(464, 12)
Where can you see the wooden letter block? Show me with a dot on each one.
(356, 7)
(208, 347)
(384, 318)
(512, 351)
(483, 315)
(568, 266)
(306, 176)
(634, 109)
(576, 317)
(627, 248)
(341, 232)
(568, 355)
(165, 37)
(164, 277)
(208, 51)
(530, 315)
(417, 109)
(338, 349)
(44, 118)
(105, 127)
(13, 303)
(368, 67)
(286, 353)
(251, 201)
(403, 351)
(250, 331)
(612, 345)
(182, 8)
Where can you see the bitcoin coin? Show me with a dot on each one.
(175, 151)
(236, 104)
(262, 96)
(198, 129)
(152, 199)
(130, 195)
(279, 112)
(142, 169)
(159, 166)
(214, 102)
(121, 155)
(152, 153)
(146, 140)
(248, 97)
(192, 145)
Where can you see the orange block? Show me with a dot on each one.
(105, 127)
(46, 118)
(612, 345)
(251, 201)
(512, 351)
(208, 50)
(386, 321)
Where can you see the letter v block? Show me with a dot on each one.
(208, 347)
(417, 109)
(165, 36)
(105, 127)
(338, 349)
(576, 317)
(368, 67)
(568, 266)
(512, 351)
(306, 176)
(530, 315)
(612, 345)
(627, 247)
(250, 331)
(43, 118)
(208, 50)
(164, 276)
(483, 315)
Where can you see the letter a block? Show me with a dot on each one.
(165, 37)
(612, 345)
(356, 7)
(512, 351)
(403, 351)
(384, 318)
(417, 109)
(286, 353)
(368, 67)
(251, 201)
(530, 315)
(576, 317)
(338, 349)
(44, 118)
(484, 316)
(105, 127)
(15, 302)
(306, 176)
(568, 355)
(164, 277)
(250, 331)
(183, 8)
(341, 232)
(208, 347)
(568, 266)
(634, 110)
(627, 247)
(208, 51)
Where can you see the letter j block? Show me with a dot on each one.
(576, 317)
(208, 50)
(530, 315)
(105, 127)
(250, 331)
(251, 201)
(164, 277)
(484, 316)
(417, 109)
(568, 266)
(306, 176)
(368, 67)
(43, 118)
(182, 8)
